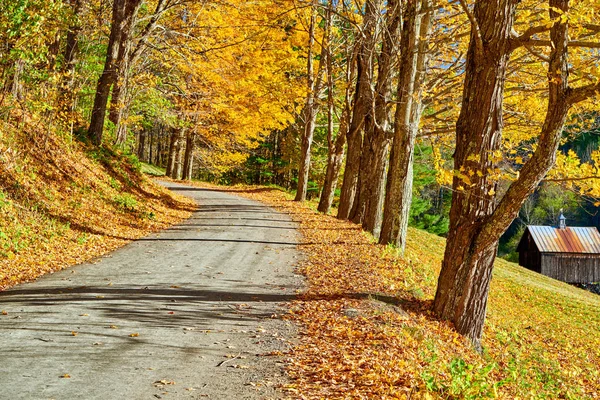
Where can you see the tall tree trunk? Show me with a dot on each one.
(151, 139)
(66, 95)
(311, 108)
(336, 146)
(363, 103)
(122, 19)
(141, 150)
(178, 157)
(188, 162)
(16, 88)
(127, 57)
(172, 151)
(310, 113)
(476, 223)
(368, 211)
(416, 31)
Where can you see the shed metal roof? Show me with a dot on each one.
(570, 240)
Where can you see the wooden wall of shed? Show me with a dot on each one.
(531, 259)
(571, 267)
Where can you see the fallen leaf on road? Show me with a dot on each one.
(113, 327)
(65, 376)
(134, 334)
(163, 382)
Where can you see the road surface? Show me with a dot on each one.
(182, 314)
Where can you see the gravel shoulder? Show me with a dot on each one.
(191, 312)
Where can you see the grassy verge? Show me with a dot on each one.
(367, 331)
(153, 170)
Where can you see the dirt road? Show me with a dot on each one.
(181, 314)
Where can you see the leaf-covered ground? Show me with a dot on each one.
(367, 332)
(62, 203)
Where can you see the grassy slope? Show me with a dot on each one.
(541, 340)
(62, 203)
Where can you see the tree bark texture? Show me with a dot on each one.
(476, 223)
(127, 56)
(172, 152)
(188, 160)
(141, 150)
(374, 158)
(336, 145)
(178, 159)
(312, 102)
(398, 197)
(362, 105)
(65, 96)
(122, 19)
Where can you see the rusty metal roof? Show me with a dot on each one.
(570, 240)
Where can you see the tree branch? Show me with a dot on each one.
(582, 93)
(474, 26)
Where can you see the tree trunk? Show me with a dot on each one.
(141, 150)
(363, 103)
(475, 222)
(336, 147)
(16, 88)
(126, 58)
(172, 152)
(416, 30)
(368, 210)
(122, 19)
(66, 95)
(178, 157)
(312, 106)
(188, 162)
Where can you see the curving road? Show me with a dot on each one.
(182, 314)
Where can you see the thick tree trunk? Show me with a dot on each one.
(363, 104)
(178, 159)
(374, 158)
(368, 210)
(416, 30)
(122, 19)
(335, 161)
(126, 58)
(188, 162)
(336, 146)
(475, 222)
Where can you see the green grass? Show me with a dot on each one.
(153, 170)
(541, 335)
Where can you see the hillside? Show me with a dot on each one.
(62, 202)
(367, 329)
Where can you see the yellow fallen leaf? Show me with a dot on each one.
(134, 334)
(113, 327)
(74, 333)
(65, 376)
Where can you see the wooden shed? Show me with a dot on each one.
(569, 254)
